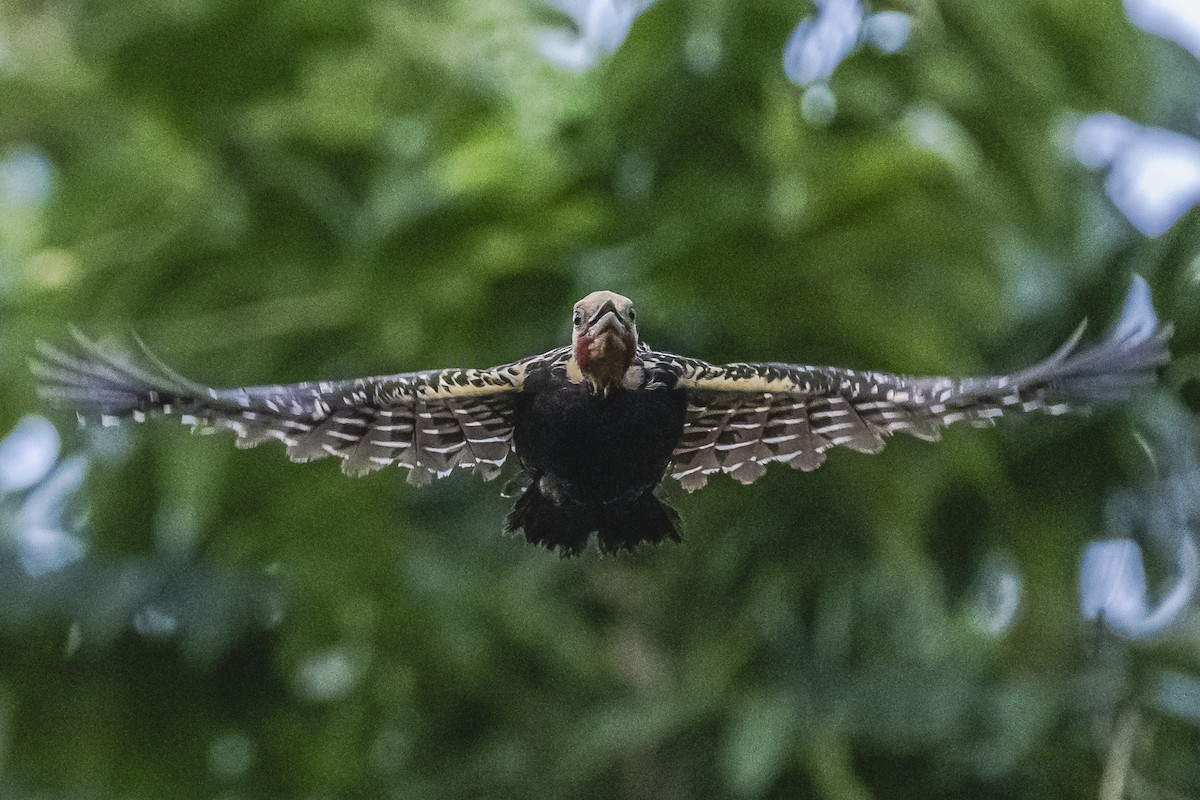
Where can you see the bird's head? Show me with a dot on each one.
(604, 339)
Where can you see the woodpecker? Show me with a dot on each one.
(596, 425)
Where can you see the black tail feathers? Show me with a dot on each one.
(646, 519)
(618, 526)
(553, 527)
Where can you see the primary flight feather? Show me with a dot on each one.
(597, 424)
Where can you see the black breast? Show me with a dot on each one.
(589, 448)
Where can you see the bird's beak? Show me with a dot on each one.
(607, 318)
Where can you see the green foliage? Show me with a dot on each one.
(284, 191)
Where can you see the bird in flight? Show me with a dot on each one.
(597, 424)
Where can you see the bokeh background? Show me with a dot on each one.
(280, 191)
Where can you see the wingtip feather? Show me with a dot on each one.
(1137, 320)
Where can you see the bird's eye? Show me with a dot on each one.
(632, 315)
(577, 319)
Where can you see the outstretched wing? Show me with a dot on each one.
(742, 417)
(427, 422)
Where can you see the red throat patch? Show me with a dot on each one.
(603, 359)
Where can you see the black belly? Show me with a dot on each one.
(586, 448)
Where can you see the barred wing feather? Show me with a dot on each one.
(742, 417)
(427, 422)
